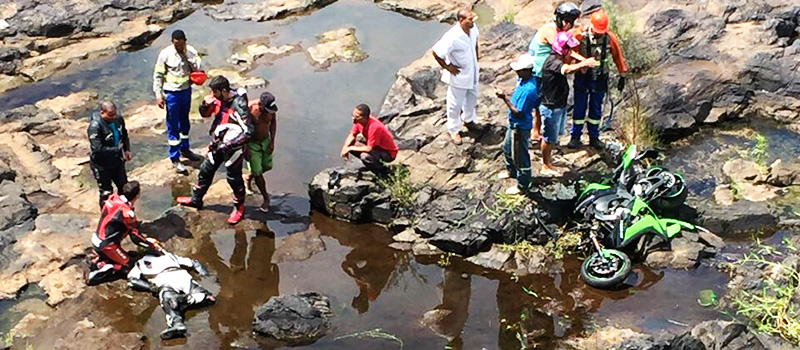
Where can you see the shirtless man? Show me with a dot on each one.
(262, 144)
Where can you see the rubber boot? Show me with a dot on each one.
(236, 214)
(189, 202)
(574, 142)
(596, 144)
(175, 330)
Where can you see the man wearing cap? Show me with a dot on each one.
(591, 85)
(457, 54)
(520, 121)
(173, 90)
(555, 91)
(261, 146)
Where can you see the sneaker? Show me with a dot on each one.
(179, 168)
(596, 144)
(574, 143)
(194, 157)
(456, 138)
(189, 202)
(503, 175)
(178, 329)
(513, 190)
(236, 214)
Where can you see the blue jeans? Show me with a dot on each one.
(178, 105)
(554, 121)
(588, 93)
(518, 160)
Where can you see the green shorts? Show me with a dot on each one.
(260, 157)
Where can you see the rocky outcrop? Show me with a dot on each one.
(294, 319)
(425, 9)
(726, 60)
(784, 173)
(263, 10)
(350, 194)
(42, 37)
(336, 45)
(16, 218)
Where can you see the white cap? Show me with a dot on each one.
(523, 62)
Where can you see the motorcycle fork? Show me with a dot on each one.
(598, 247)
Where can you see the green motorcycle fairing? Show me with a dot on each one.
(629, 156)
(593, 187)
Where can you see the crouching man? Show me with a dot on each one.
(166, 276)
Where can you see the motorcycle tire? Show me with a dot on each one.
(674, 197)
(606, 279)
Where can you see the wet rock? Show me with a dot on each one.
(723, 195)
(427, 227)
(237, 77)
(30, 324)
(15, 210)
(70, 105)
(32, 163)
(298, 246)
(248, 54)
(336, 45)
(263, 10)
(349, 193)
(684, 253)
(422, 248)
(610, 338)
(56, 239)
(64, 284)
(407, 236)
(147, 117)
(25, 118)
(534, 261)
(90, 336)
(726, 335)
(424, 9)
(495, 258)
(784, 173)
(740, 170)
(461, 241)
(294, 319)
(382, 213)
(741, 216)
(710, 239)
(400, 224)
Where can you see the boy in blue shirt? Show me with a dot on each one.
(520, 122)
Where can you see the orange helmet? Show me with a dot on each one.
(599, 21)
(198, 77)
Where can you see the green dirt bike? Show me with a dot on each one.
(618, 215)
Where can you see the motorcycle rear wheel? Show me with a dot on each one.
(608, 274)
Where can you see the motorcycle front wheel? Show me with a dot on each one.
(606, 271)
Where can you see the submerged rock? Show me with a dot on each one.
(295, 319)
(336, 45)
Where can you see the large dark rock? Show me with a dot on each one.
(16, 217)
(464, 242)
(294, 319)
(741, 216)
(726, 335)
(350, 193)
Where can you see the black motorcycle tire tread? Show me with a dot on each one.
(613, 281)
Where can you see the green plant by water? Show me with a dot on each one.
(399, 185)
(771, 309)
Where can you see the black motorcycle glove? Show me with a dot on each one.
(621, 84)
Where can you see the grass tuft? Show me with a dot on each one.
(376, 333)
(403, 192)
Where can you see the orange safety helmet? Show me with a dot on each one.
(599, 21)
(198, 77)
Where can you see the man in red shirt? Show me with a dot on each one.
(380, 145)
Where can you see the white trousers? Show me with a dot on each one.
(461, 104)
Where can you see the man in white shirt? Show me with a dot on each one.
(457, 53)
(173, 90)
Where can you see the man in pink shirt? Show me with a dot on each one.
(380, 146)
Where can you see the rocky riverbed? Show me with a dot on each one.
(721, 69)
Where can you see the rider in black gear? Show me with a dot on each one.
(110, 149)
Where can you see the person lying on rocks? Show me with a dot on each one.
(165, 275)
(380, 146)
(555, 91)
(117, 221)
(520, 121)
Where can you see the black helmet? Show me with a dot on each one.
(566, 12)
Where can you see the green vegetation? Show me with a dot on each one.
(505, 203)
(771, 309)
(635, 128)
(759, 151)
(7, 340)
(509, 16)
(444, 259)
(569, 241)
(376, 333)
(403, 192)
(639, 54)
